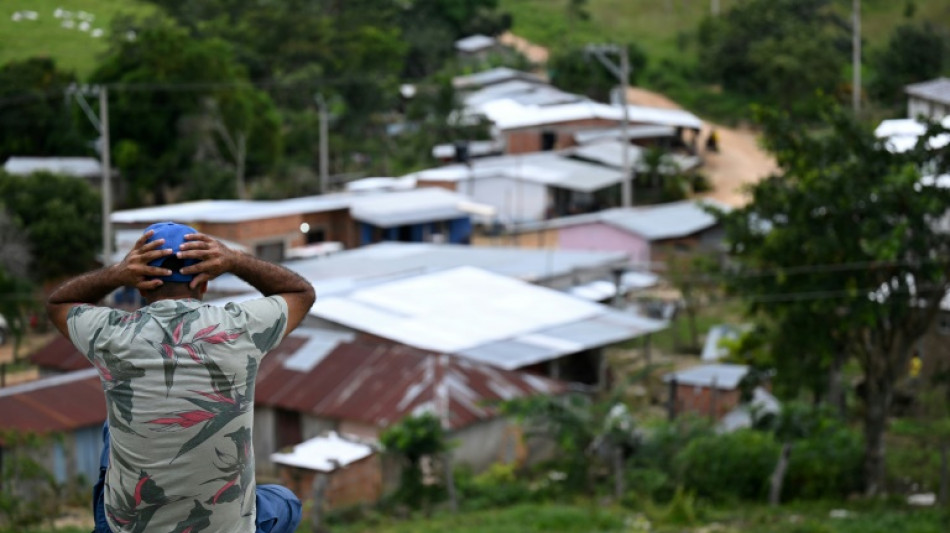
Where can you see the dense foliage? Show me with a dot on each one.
(844, 253)
(60, 217)
(779, 51)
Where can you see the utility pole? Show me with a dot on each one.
(444, 408)
(101, 125)
(106, 176)
(324, 144)
(856, 55)
(622, 72)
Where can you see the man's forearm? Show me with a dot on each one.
(268, 278)
(90, 287)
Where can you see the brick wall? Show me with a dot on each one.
(700, 400)
(527, 140)
(360, 482)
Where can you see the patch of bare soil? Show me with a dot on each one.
(738, 163)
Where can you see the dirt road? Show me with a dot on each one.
(739, 162)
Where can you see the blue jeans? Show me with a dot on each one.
(278, 509)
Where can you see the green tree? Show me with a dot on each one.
(415, 438)
(179, 100)
(779, 51)
(35, 117)
(17, 291)
(914, 53)
(575, 70)
(843, 251)
(60, 216)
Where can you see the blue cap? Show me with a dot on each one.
(174, 235)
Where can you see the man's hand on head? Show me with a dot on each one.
(134, 270)
(214, 258)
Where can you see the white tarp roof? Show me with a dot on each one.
(80, 167)
(901, 134)
(474, 43)
(741, 417)
(324, 454)
(462, 310)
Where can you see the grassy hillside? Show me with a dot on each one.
(664, 27)
(73, 48)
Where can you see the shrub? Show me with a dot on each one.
(731, 465)
(826, 465)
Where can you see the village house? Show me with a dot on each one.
(647, 234)
(489, 318)
(710, 390)
(276, 230)
(929, 99)
(67, 412)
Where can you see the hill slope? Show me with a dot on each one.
(32, 28)
(664, 28)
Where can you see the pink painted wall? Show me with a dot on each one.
(597, 236)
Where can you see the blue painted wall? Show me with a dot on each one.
(460, 231)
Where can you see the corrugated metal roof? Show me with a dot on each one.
(508, 114)
(937, 90)
(720, 375)
(412, 206)
(663, 221)
(376, 263)
(60, 403)
(469, 311)
(493, 76)
(609, 152)
(655, 222)
(225, 211)
(379, 383)
(633, 132)
(60, 355)
(547, 168)
(80, 167)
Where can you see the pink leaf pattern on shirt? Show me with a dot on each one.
(184, 419)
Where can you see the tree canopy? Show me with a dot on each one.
(35, 118)
(846, 250)
(778, 51)
(179, 101)
(60, 216)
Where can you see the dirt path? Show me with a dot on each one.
(738, 163)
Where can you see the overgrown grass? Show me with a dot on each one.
(859, 517)
(72, 49)
(516, 519)
(664, 28)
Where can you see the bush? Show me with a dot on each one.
(732, 465)
(497, 486)
(826, 465)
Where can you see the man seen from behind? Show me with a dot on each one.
(179, 377)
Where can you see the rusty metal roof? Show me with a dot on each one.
(59, 354)
(379, 382)
(59, 403)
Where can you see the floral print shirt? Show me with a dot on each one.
(178, 376)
